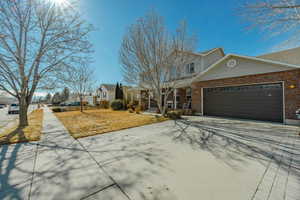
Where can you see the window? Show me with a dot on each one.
(190, 68)
(177, 98)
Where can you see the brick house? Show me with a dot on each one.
(265, 88)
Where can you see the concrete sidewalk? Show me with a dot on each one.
(57, 167)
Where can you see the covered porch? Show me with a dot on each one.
(180, 98)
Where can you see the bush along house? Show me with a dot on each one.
(265, 87)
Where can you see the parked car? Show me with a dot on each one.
(13, 109)
(74, 104)
(2, 106)
(62, 104)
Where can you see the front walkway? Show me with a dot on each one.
(195, 158)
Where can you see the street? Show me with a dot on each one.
(6, 119)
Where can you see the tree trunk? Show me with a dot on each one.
(81, 105)
(23, 119)
(160, 105)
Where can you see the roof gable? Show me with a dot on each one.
(291, 56)
(108, 86)
(245, 66)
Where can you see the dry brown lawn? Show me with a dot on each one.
(98, 121)
(30, 133)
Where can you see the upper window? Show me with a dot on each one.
(173, 72)
(190, 68)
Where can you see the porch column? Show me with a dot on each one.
(149, 100)
(175, 99)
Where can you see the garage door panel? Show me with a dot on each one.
(260, 102)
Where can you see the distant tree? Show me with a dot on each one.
(117, 91)
(48, 98)
(121, 92)
(65, 94)
(56, 99)
(80, 81)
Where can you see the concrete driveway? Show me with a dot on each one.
(192, 159)
(202, 158)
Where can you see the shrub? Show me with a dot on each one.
(117, 104)
(58, 110)
(130, 110)
(190, 112)
(176, 114)
(130, 106)
(135, 103)
(138, 110)
(104, 104)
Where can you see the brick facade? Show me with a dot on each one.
(292, 95)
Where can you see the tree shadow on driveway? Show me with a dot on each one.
(132, 161)
(229, 142)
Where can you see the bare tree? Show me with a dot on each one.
(65, 94)
(37, 37)
(154, 58)
(277, 16)
(80, 81)
(48, 98)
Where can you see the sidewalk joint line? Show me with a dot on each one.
(265, 172)
(33, 170)
(289, 170)
(102, 189)
(102, 168)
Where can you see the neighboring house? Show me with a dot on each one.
(131, 94)
(260, 88)
(88, 99)
(107, 92)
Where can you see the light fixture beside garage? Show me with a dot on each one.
(292, 86)
(231, 63)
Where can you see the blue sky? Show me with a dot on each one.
(215, 23)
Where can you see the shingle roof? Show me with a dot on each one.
(290, 56)
(207, 51)
(109, 86)
(210, 51)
